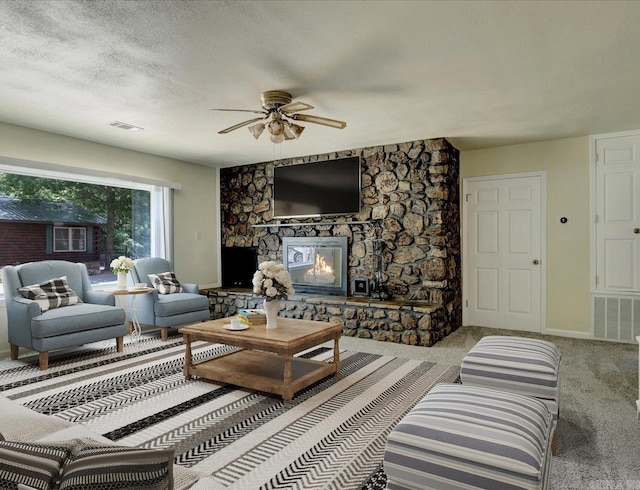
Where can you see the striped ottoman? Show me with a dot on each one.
(465, 437)
(518, 365)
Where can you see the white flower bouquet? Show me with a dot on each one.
(272, 281)
(121, 264)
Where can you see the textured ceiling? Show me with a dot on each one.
(479, 73)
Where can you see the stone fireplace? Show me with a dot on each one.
(405, 242)
(317, 265)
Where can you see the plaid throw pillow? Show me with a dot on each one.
(165, 283)
(53, 293)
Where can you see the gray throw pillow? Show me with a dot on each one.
(99, 466)
(33, 465)
(79, 464)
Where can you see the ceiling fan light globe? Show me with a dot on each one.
(296, 130)
(256, 130)
(275, 127)
(288, 134)
(277, 138)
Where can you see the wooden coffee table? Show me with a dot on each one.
(266, 361)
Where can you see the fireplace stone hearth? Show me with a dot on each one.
(406, 322)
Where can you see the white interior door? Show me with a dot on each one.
(503, 231)
(618, 214)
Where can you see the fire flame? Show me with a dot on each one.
(321, 266)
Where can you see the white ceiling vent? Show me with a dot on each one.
(127, 126)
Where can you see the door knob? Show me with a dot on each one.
(536, 261)
(636, 230)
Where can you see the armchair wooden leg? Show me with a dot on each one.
(14, 351)
(554, 443)
(119, 344)
(44, 361)
(130, 328)
(164, 334)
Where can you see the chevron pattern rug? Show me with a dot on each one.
(332, 434)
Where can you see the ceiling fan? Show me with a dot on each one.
(277, 108)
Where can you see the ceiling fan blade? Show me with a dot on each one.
(332, 123)
(240, 125)
(240, 110)
(294, 107)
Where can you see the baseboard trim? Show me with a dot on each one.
(568, 333)
(557, 333)
(584, 336)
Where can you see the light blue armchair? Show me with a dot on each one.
(95, 318)
(167, 310)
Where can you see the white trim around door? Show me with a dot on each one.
(504, 251)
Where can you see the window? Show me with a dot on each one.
(82, 219)
(69, 239)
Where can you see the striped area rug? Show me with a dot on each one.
(332, 434)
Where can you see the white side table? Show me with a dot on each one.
(135, 330)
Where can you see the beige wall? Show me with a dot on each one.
(566, 163)
(194, 205)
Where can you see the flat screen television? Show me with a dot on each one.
(317, 189)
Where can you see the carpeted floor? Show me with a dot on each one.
(598, 432)
(332, 435)
(599, 435)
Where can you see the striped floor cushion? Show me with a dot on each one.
(515, 364)
(461, 437)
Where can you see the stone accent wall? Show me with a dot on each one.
(409, 247)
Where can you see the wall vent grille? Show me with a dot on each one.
(616, 318)
(128, 127)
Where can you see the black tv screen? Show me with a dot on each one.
(319, 188)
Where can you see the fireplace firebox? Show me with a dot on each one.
(238, 266)
(317, 265)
